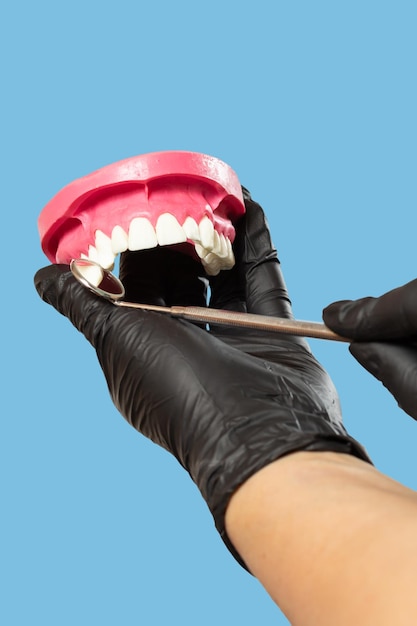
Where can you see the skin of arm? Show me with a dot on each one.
(331, 539)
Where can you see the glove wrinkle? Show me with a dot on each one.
(220, 432)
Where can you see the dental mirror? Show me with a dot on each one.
(104, 284)
(100, 281)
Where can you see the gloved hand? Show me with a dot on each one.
(384, 338)
(225, 402)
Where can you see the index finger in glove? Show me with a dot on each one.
(391, 316)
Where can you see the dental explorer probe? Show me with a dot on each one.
(104, 284)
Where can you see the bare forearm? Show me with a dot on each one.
(331, 539)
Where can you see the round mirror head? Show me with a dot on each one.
(100, 281)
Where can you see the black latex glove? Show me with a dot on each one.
(225, 402)
(384, 335)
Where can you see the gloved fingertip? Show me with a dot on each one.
(335, 316)
(47, 276)
(367, 354)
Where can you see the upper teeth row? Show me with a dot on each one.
(214, 250)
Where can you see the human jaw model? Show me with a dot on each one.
(156, 199)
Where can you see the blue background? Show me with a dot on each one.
(314, 106)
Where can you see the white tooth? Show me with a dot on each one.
(142, 234)
(93, 254)
(169, 231)
(212, 271)
(219, 259)
(212, 264)
(93, 274)
(119, 240)
(191, 229)
(202, 252)
(216, 243)
(224, 251)
(105, 253)
(207, 233)
(229, 261)
(229, 249)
